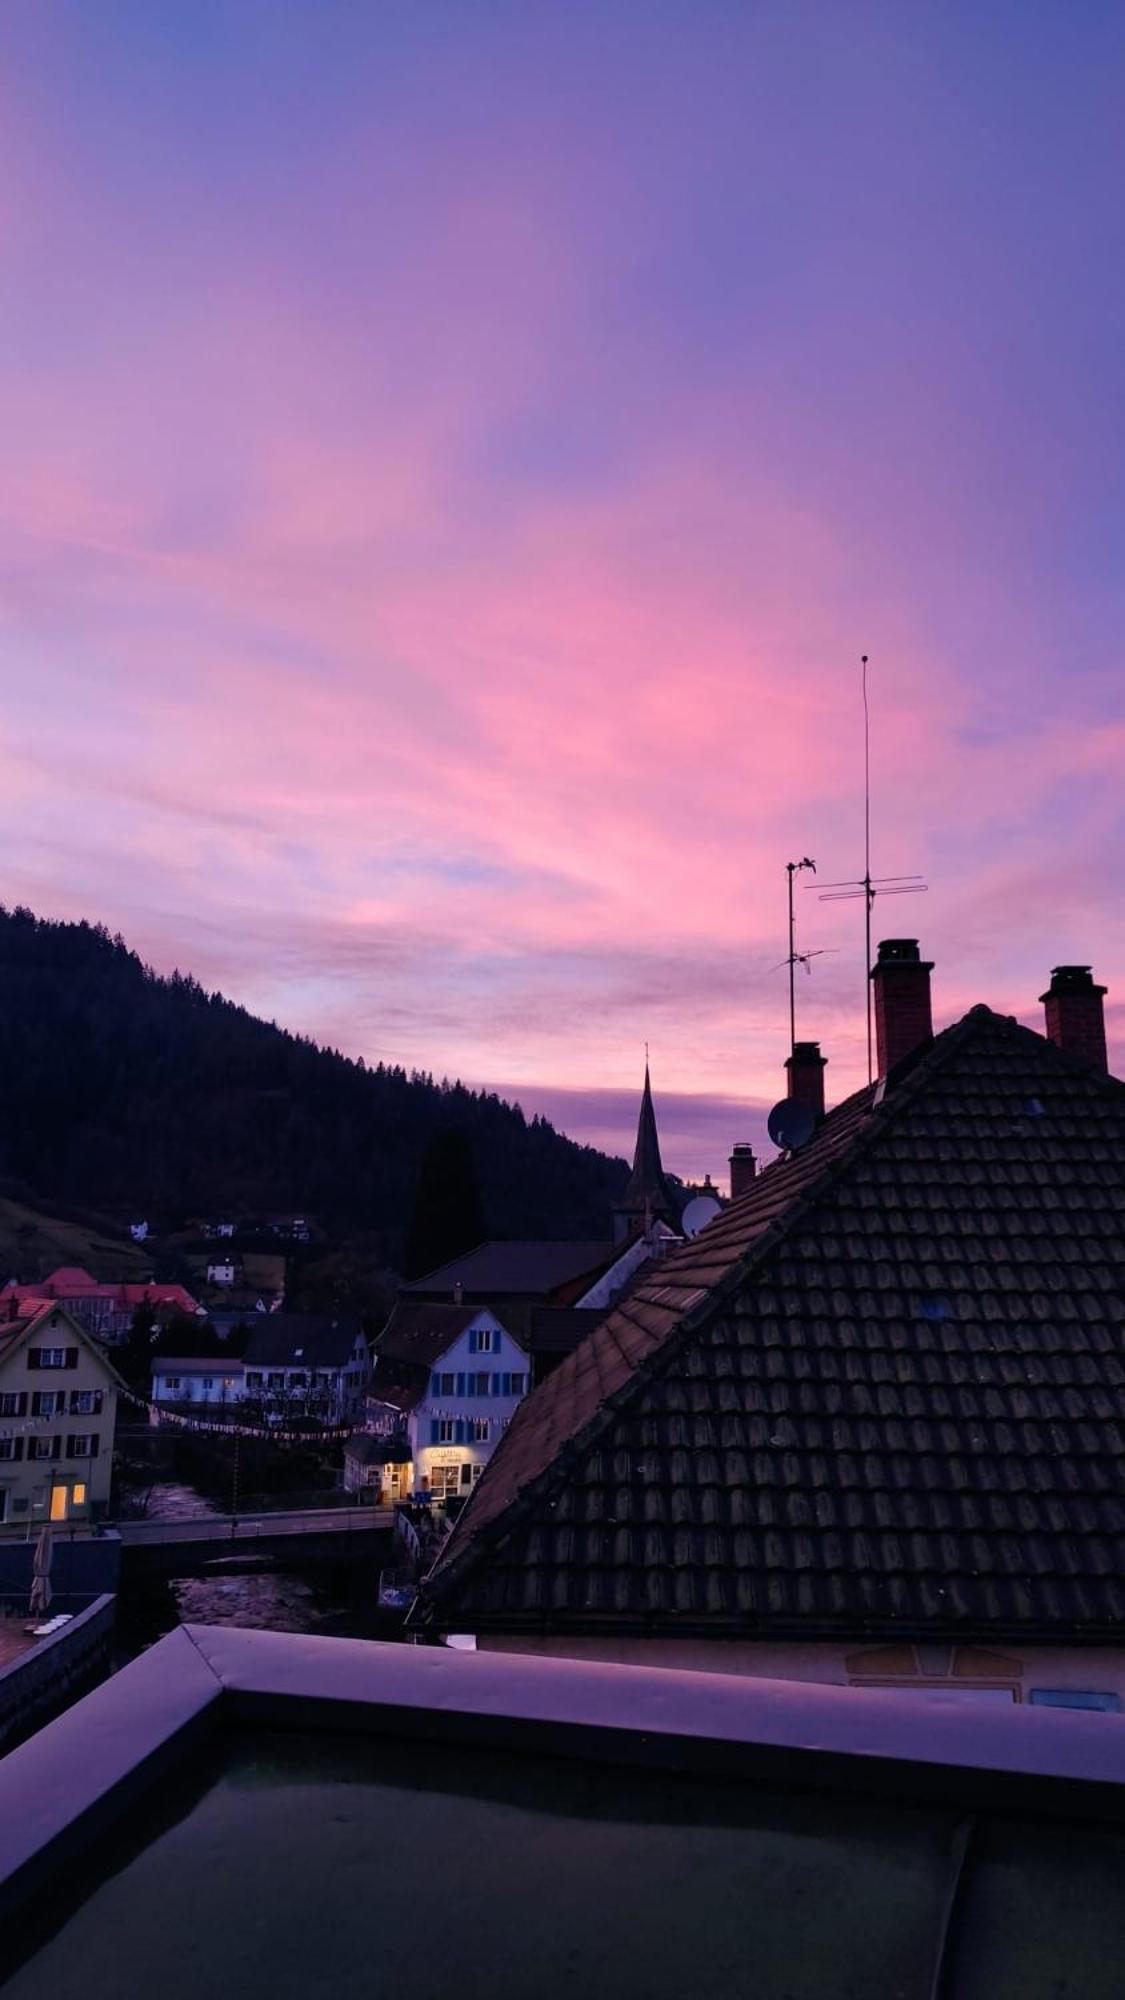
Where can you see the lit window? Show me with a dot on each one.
(80, 1495)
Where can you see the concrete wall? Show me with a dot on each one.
(1011, 1673)
(42, 1681)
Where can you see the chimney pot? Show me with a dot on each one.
(903, 1014)
(804, 1076)
(458, 1293)
(743, 1168)
(1076, 1015)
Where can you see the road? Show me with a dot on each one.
(255, 1527)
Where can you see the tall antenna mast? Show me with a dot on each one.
(868, 892)
(883, 885)
(796, 957)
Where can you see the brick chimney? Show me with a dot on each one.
(1075, 1015)
(743, 1167)
(804, 1076)
(903, 1019)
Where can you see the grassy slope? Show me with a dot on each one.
(32, 1245)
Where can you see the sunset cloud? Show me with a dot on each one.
(439, 527)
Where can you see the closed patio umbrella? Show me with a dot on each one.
(41, 1573)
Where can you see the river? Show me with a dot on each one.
(338, 1599)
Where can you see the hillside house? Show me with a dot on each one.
(867, 1427)
(58, 1405)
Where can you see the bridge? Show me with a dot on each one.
(196, 1545)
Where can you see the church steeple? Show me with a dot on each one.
(647, 1197)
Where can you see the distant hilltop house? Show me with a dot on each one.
(867, 1428)
(284, 1228)
(104, 1309)
(58, 1403)
(294, 1365)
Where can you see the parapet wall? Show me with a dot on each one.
(43, 1680)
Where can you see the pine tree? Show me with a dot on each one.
(447, 1217)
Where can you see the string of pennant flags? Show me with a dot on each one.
(272, 1433)
(45, 1422)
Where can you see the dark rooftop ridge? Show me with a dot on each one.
(881, 1393)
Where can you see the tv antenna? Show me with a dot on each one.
(796, 957)
(871, 885)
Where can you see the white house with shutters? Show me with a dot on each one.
(470, 1376)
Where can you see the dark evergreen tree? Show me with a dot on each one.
(447, 1218)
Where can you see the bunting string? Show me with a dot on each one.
(271, 1433)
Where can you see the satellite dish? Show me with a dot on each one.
(790, 1124)
(698, 1212)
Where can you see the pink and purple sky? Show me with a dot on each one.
(453, 459)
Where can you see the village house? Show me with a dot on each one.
(378, 1468)
(302, 1365)
(867, 1427)
(58, 1404)
(216, 1380)
(104, 1309)
(458, 1375)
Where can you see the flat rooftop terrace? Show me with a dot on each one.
(254, 1812)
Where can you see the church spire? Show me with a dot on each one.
(647, 1197)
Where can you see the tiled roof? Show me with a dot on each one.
(300, 1340)
(366, 1449)
(884, 1391)
(558, 1329)
(419, 1330)
(532, 1266)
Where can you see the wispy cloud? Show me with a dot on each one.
(446, 491)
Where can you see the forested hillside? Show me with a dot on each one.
(147, 1096)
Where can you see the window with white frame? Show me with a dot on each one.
(483, 1340)
(445, 1430)
(13, 1403)
(481, 1430)
(479, 1385)
(82, 1444)
(85, 1402)
(48, 1402)
(44, 1447)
